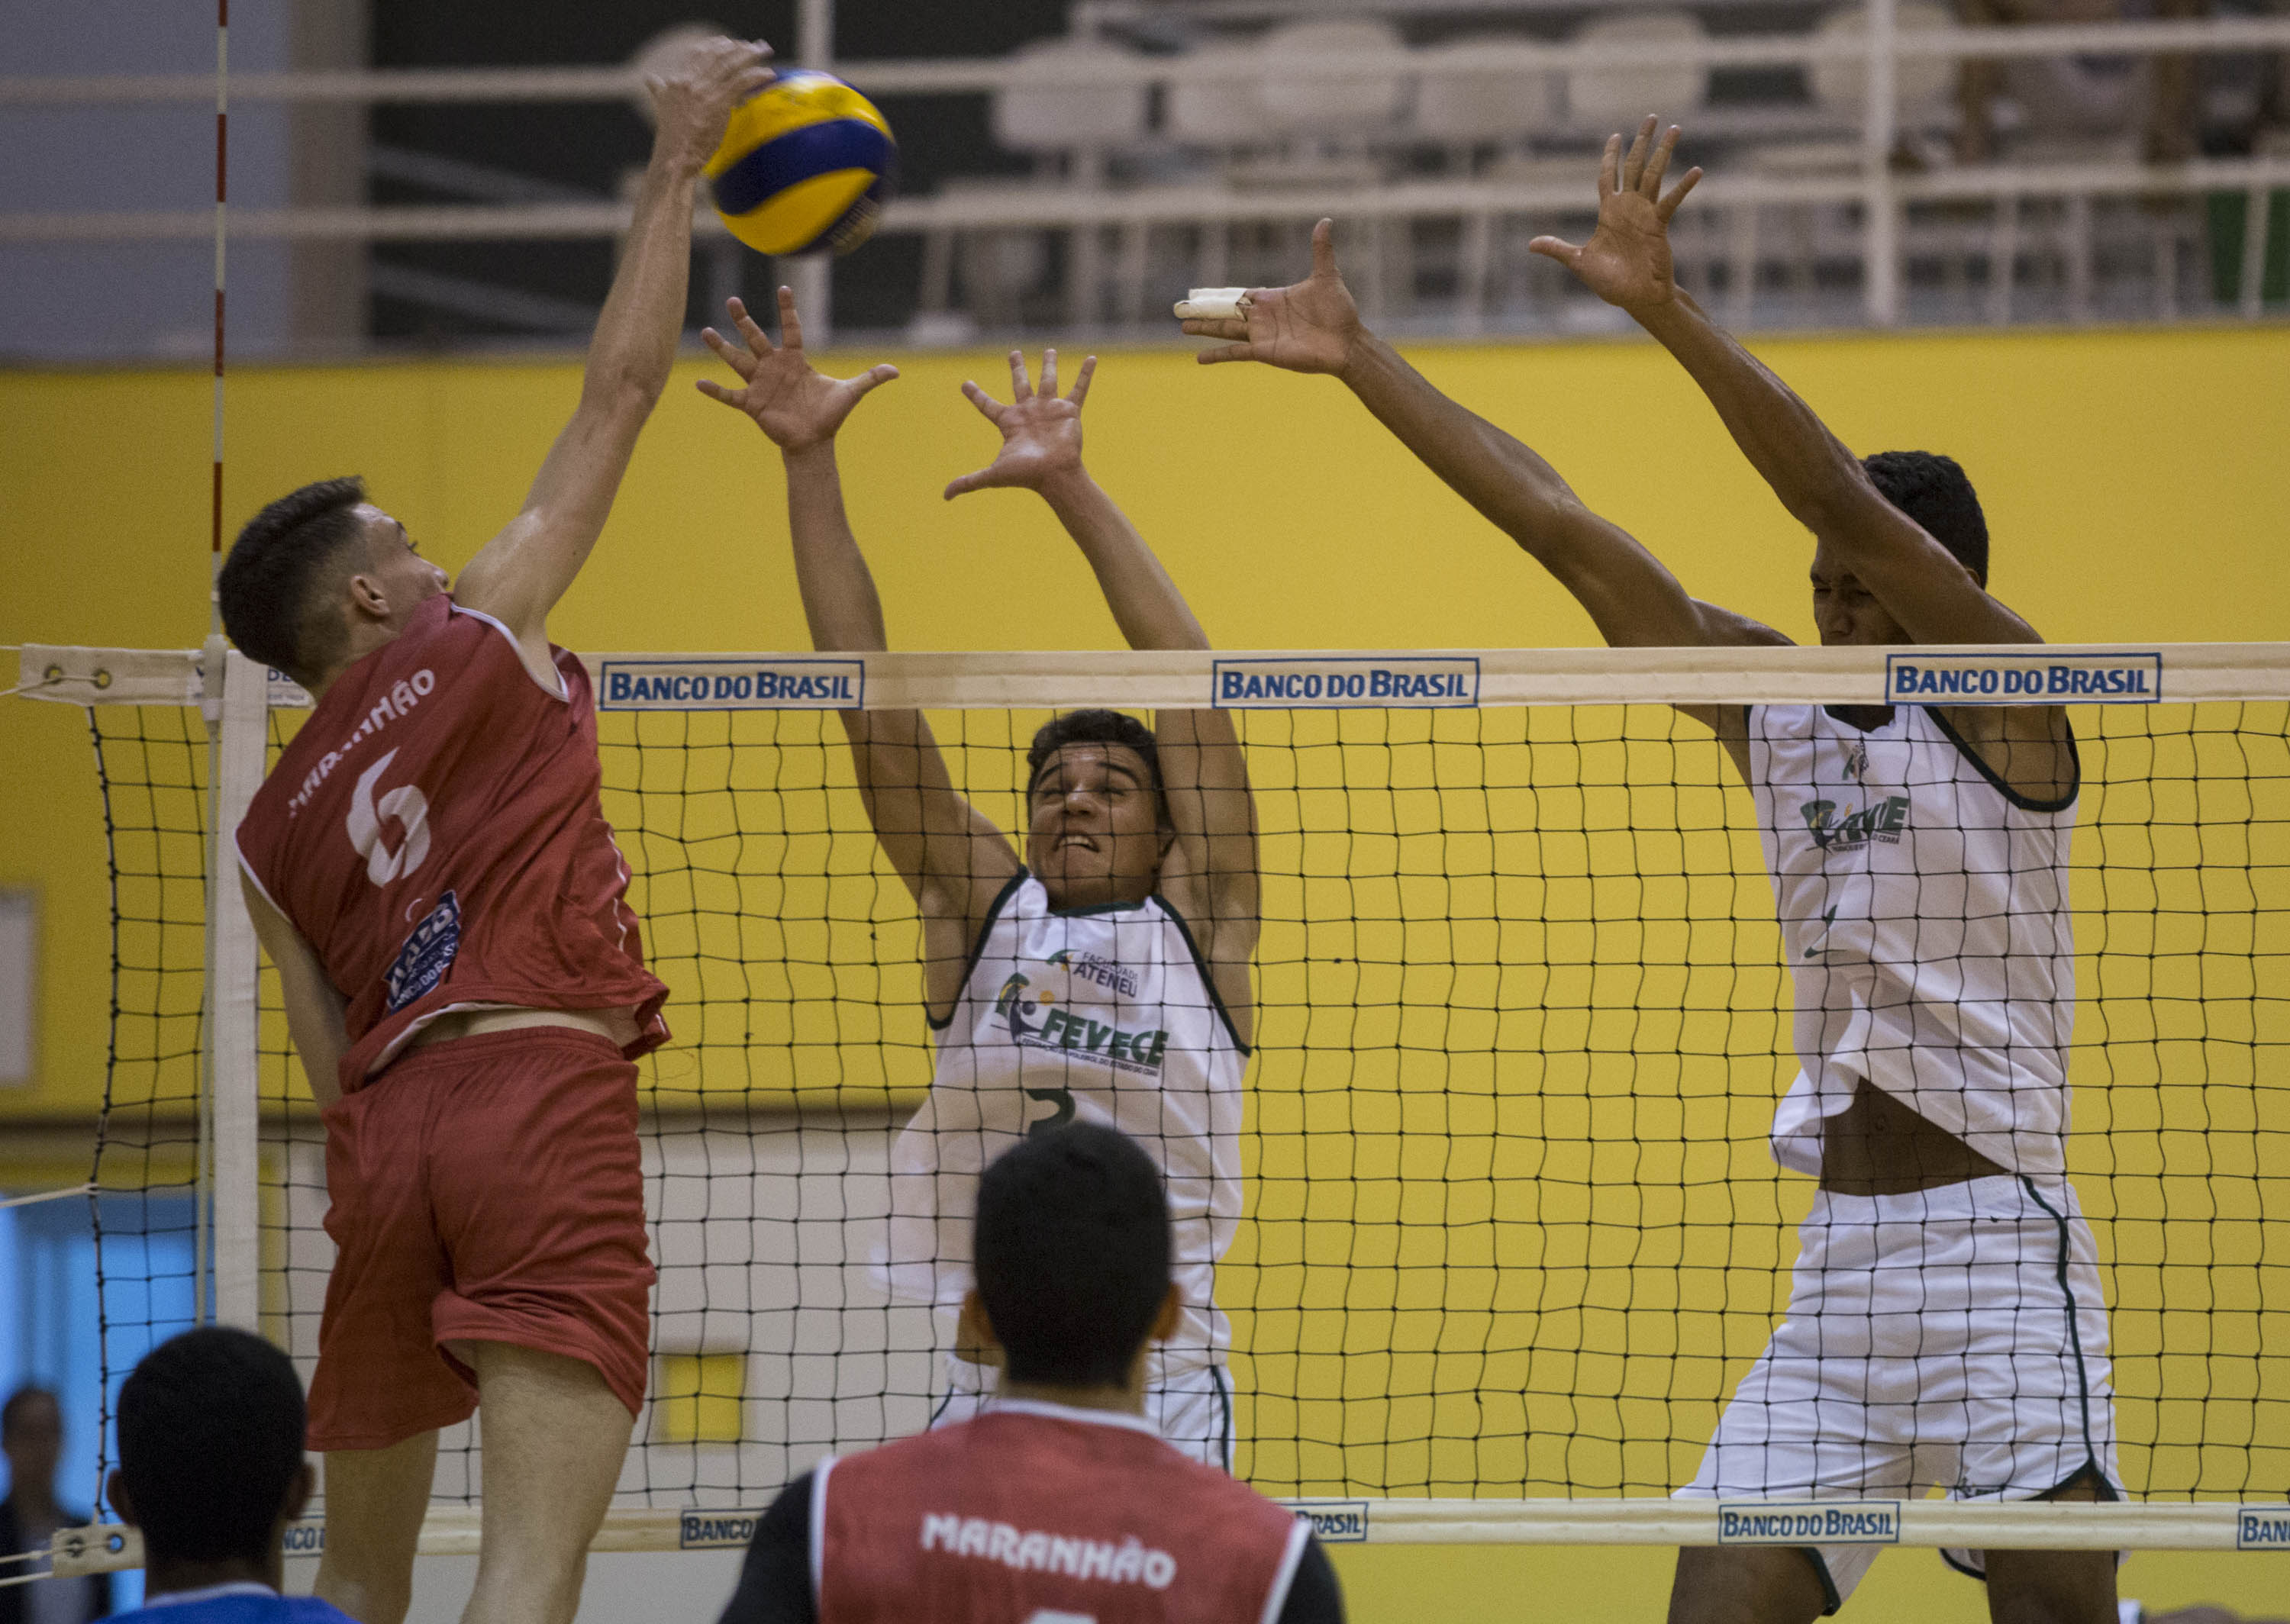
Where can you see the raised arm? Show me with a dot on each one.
(521, 572)
(1627, 263)
(953, 859)
(1210, 873)
(1314, 327)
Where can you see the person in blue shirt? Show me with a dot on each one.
(211, 1470)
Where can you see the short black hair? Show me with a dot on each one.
(1093, 727)
(1932, 490)
(1072, 1254)
(31, 1392)
(210, 1433)
(270, 583)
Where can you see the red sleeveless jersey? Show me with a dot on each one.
(436, 833)
(1033, 1511)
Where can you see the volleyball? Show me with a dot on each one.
(805, 163)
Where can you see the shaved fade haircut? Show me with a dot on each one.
(1932, 490)
(273, 587)
(211, 1432)
(1072, 1247)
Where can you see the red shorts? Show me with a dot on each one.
(490, 1189)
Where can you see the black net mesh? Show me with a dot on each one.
(1510, 1223)
(151, 766)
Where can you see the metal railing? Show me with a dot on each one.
(1882, 195)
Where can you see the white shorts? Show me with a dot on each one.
(1189, 1404)
(1952, 1337)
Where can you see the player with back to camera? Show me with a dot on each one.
(210, 1470)
(1920, 861)
(1058, 1502)
(1104, 976)
(429, 866)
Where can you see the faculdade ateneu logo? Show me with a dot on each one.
(2040, 676)
(1859, 1522)
(1037, 1019)
(732, 684)
(1347, 681)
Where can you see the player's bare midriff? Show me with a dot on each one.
(1878, 1146)
(617, 1025)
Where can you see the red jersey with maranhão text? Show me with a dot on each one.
(1043, 1511)
(436, 832)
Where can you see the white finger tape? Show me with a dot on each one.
(1212, 305)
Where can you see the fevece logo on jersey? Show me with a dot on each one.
(1037, 1020)
(1366, 682)
(2041, 677)
(407, 806)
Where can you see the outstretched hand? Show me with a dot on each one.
(694, 99)
(1041, 431)
(1309, 326)
(794, 404)
(1627, 262)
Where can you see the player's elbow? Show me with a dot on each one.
(622, 389)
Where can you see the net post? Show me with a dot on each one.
(234, 976)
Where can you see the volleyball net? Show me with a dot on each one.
(1510, 1230)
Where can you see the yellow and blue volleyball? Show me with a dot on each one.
(806, 162)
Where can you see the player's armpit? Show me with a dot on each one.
(518, 575)
(1729, 628)
(314, 1007)
(1211, 872)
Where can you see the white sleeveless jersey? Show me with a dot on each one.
(1104, 1014)
(1923, 907)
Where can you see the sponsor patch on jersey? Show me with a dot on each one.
(428, 954)
(1334, 1521)
(1400, 682)
(1037, 1019)
(2261, 1528)
(1848, 828)
(732, 684)
(1855, 1522)
(716, 1531)
(2047, 676)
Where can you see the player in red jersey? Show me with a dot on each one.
(429, 868)
(1059, 1501)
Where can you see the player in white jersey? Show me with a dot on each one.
(1105, 976)
(1945, 1327)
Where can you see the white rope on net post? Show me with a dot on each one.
(812, 275)
(1881, 210)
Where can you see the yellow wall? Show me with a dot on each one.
(2133, 483)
